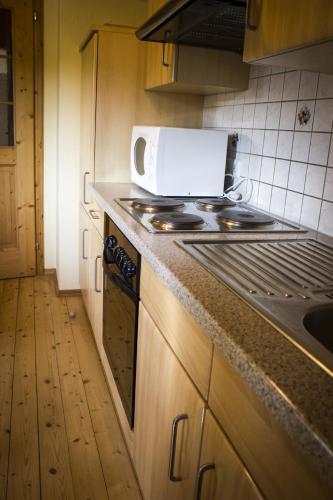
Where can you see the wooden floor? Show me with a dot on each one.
(59, 436)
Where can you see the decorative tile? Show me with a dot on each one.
(267, 170)
(245, 141)
(301, 146)
(293, 206)
(260, 115)
(308, 85)
(315, 178)
(288, 112)
(254, 194)
(328, 191)
(210, 101)
(319, 147)
(330, 156)
(284, 146)
(257, 70)
(257, 142)
(326, 218)
(297, 175)
(276, 88)
(277, 69)
(273, 115)
(242, 165)
(278, 201)
(310, 212)
(263, 89)
(304, 108)
(229, 98)
(323, 115)
(291, 86)
(281, 173)
(325, 86)
(220, 99)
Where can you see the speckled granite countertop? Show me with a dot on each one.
(295, 389)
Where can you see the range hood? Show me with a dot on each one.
(218, 24)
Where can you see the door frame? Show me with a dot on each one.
(39, 131)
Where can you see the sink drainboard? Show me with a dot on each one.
(283, 279)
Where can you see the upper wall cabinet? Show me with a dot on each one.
(297, 34)
(186, 69)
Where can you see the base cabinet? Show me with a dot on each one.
(221, 473)
(91, 273)
(168, 419)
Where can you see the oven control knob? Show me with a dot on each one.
(111, 241)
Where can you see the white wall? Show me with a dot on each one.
(66, 24)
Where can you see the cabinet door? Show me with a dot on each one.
(160, 58)
(281, 25)
(96, 289)
(168, 419)
(88, 107)
(85, 256)
(221, 473)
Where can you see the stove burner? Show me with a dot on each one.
(153, 205)
(214, 204)
(174, 221)
(238, 218)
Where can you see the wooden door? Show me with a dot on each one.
(165, 399)
(88, 113)
(17, 195)
(221, 473)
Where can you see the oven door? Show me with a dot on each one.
(120, 324)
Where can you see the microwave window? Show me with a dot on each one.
(139, 155)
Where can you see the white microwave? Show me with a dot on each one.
(170, 161)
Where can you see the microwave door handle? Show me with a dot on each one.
(120, 283)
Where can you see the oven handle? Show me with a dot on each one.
(120, 283)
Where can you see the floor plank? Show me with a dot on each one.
(87, 471)
(55, 470)
(117, 468)
(8, 313)
(23, 476)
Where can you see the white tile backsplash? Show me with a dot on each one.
(290, 164)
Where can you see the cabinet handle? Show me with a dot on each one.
(173, 445)
(200, 474)
(94, 214)
(163, 50)
(83, 240)
(84, 188)
(96, 261)
(250, 26)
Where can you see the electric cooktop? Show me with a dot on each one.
(212, 215)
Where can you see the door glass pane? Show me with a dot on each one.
(6, 125)
(5, 32)
(6, 80)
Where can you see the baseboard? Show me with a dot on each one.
(61, 293)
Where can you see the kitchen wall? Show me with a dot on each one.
(290, 163)
(66, 24)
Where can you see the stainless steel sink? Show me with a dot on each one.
(290, 281)
(319, 323)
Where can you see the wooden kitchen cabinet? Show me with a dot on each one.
(196, 70)
(164, 393)
(221, 473)
(91, 273)
(297, 34)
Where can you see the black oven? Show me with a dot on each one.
(121, 263)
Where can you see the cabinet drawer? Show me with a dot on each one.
(96, 214)
(276, 463)
(188, 341)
